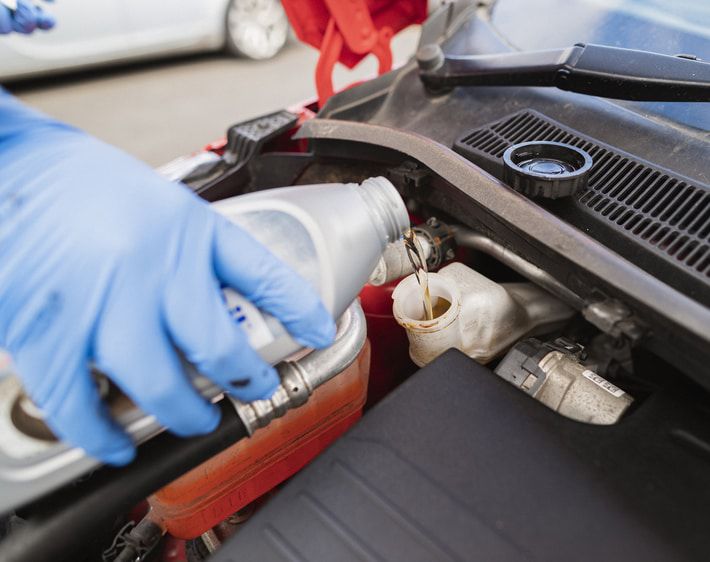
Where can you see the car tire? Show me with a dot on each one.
(255, 29)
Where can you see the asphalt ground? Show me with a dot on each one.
(167, 108)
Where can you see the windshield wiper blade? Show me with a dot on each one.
(596, 70)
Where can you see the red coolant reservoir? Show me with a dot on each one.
(213, 491)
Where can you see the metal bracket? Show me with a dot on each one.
(614, 318)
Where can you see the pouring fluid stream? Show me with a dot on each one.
(415, 252)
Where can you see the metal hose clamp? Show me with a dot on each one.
(300, 378)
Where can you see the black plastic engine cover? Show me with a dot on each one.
(459, 465)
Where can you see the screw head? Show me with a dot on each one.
(430, 57)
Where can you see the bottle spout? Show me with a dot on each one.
(387, 208)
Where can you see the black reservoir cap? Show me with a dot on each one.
(546, 169)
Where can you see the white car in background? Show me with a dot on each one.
(96, 32)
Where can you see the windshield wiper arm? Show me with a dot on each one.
(596, 70)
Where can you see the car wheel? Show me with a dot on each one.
(256, 29)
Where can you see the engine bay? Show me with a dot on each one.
(593, 302)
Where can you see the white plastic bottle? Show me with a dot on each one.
(331, 234)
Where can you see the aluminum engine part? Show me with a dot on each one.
(553, 374)
(300, 378)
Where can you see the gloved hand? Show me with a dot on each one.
(24, 19)
(102, 261)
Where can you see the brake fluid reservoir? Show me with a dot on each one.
(226, 483)
(474, 314)
(331, 234)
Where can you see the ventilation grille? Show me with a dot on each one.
(655, 207)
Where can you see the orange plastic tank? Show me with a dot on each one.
(226, 483)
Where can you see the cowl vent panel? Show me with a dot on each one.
(630, 204)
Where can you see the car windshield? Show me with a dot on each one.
(663, 26)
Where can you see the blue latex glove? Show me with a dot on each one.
(103, 261)
(25, 19)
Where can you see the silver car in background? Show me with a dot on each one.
(101, 32)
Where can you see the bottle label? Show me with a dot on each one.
(249, 318)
